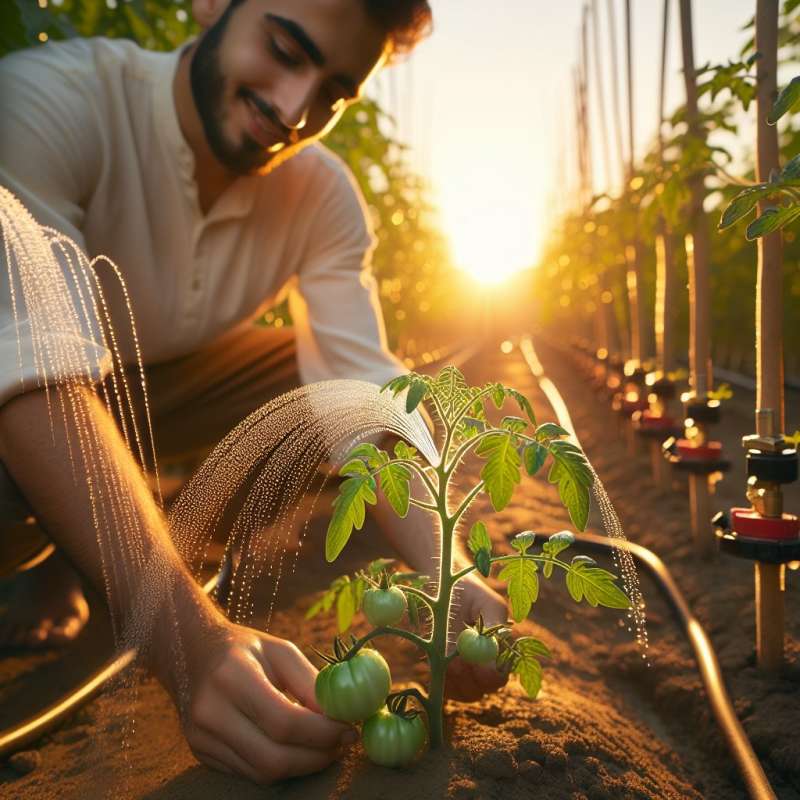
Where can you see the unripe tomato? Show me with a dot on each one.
(476, 648)
(354, 689)
(392, 740)
(384, 606)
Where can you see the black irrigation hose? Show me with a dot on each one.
(752, 773)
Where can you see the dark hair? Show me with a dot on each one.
(406, 22)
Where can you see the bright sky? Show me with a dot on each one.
(486, 105)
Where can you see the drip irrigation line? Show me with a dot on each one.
(750, 768)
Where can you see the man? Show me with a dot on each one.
(168, 163)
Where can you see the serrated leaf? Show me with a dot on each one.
(397, 384)
(416, 393)
(533, 647)
(354, 467)
(479, 538)
(534, 455)
(523, 404)
(570, 470)
(451, 388)
(513, 424)
(558, 542)
(373, 455)
(549, 430)
(523, 586)
(405, 451)
(501, 471)
(773, 219)
(349, 511)
(787, 99)
(596, 585)
(527, 667)
(394, 481)
(498, 395)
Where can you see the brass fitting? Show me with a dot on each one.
(765, 497)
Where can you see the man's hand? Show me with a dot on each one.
(240, 719)
(465, 681)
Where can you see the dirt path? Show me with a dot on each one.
(604, 727)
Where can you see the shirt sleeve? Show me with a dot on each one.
(334, 304)
(49, 332)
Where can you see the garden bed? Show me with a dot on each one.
(605, 725)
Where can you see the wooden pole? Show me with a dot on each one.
(612, 32)
(600, 94)
(769, 330)
(633, 255)
(697, 252)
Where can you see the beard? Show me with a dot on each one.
(208, 90)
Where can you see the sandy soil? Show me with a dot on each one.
(604, 726)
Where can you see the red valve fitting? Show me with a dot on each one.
(748, 523)
(710, 451)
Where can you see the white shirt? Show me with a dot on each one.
(90, 142)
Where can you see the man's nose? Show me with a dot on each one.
(295, 102)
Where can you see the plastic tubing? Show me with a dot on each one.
(750, 768)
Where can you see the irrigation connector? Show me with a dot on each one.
(764, 532)
(695, 452)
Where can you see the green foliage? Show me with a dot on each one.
(523, 585)
(501, 473)
(463, 413)
(349, 511)
(394, 483)
(788, 100)
(570, 470)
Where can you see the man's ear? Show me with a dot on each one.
(207, 12)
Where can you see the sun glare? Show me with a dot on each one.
(493, 248)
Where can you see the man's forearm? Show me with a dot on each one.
(80, 477)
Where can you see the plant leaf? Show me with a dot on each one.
(405, 451)
(570, 470)
(787, 99)
(498, 395)
(558, 542)
(501, 471)
(416, 393)
(483, 562)
(744, 203)
(354, 467)
(370, 452)
(479, 538)
(394, 481)
(771, 220)
(349, 511)
(527, 667)
(792, 169)
(523, 404)
(596, 585)
(549, 430)
(523, 586)
(513, 424)
(397, 384)
(534, 455)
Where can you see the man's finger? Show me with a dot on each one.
(293, 672)
(284, 721)
(271, 760)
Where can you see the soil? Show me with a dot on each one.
(606, 725)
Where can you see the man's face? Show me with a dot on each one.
(270, 76)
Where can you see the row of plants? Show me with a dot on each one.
(593, 240)
(411, 264)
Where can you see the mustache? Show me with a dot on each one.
(268, 111)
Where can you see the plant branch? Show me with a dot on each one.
(416, 694)
(465, 503)
(420, 504)
(423, 644)
(424, 596)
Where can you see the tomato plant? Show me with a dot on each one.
(517, 443)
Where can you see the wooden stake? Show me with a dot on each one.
(769, 615)
(769, 327)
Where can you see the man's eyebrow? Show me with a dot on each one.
(297, 32)
(300, 36)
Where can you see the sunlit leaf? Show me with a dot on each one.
(570, 470)
(523, 586)
(786, 101)
(597, 586)
(394, 482)
(534, 455)
(349, 511)
(501, 471)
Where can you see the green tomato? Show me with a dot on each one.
(354, 689)
(392, 740)
(476, 648)
(384, 606)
